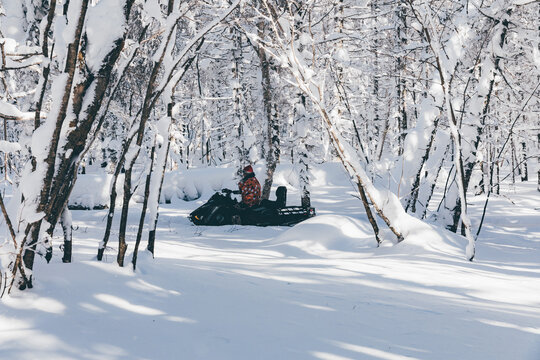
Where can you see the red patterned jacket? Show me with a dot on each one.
(251, 190)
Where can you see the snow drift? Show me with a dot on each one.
(325, 233)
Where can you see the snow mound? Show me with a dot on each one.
(91, 191)
(191, 184)
(326, 233)
(423, 238)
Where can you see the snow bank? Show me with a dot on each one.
(327, 234)
(12, 24)
(9, 147)
(191, 184)
(91, 191)
(321, 234)
(422, 238)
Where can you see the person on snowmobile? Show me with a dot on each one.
(250, 188)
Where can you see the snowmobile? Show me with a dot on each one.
(222, 209)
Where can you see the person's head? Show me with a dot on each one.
(248, 170)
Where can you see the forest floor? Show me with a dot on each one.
(319, 290)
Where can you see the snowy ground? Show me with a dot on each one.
(320, 290)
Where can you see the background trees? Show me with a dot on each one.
(415, 98)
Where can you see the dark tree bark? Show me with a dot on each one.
(369, 214)
(122, 245)
(525, 172)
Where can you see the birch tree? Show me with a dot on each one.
(57, 144)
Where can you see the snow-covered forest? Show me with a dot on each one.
(415, 124)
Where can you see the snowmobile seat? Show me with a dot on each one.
(281, 196)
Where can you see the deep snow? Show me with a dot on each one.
(319, 290)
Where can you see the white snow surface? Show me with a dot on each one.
(9, 147)
(12, 24)
(104, 15)
(319, 290)
(8, 109)
(93, 190)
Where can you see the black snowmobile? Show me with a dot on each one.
(222, 209)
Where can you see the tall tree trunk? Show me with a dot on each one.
(159, 175)
(369, 214)
(66, 222)
(300, 152)
(122, 245)
(514, 158)
(387, 207)
(144, 206)
(270, 112)
(525, 173)
(375, 133)
(29, 243)
(47, 69)
(241, 156)
(401, 83)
